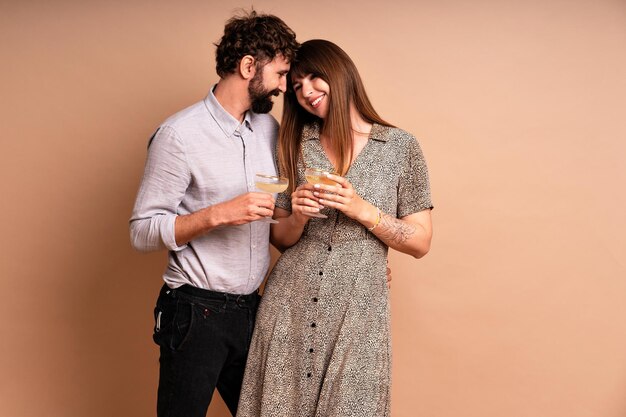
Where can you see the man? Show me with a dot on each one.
(197, 199)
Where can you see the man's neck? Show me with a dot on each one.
(233, 96)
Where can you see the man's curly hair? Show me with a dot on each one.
(262, 36)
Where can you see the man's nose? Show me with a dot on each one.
(282, 85)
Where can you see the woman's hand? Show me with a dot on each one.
(288, 231)
(343, 198)
(304, 201)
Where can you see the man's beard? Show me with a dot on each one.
(260, 97)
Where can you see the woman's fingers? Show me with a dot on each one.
(343, 182)
(324, 198)
(339, 195)
(304, 201)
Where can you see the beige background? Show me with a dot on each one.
(519, 309)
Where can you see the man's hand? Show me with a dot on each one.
(242, 209)
(246, 208)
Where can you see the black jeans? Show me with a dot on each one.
(204, 338)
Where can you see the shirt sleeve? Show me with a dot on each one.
(414, 186)
(165, 180)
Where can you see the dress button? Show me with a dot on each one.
(321, 273)
(308, 375)
(312, 324)
(329, 248)
(311, 350)
(315, 299)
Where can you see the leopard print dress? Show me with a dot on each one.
(321, 346)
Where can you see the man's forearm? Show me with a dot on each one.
(189, 226)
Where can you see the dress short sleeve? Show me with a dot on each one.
(413, 186)
(283, 200)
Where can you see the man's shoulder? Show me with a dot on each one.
(265, 121)
(187, 116)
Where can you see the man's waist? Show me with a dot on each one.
(187, 291)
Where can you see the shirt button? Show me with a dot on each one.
(313, 324)
(311, 350)
(315, 299)
(321, 273)
(308, 375)
(329, 248)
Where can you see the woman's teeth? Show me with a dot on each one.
(317, 100)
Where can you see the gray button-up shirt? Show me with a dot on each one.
(199, 157)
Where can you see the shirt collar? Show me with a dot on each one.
(312, 132)
(225, 120)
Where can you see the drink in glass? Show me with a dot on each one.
(270, 184)
(317, 176)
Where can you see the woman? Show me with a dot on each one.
(321, 346)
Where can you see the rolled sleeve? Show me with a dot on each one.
(165, 180)
(167, 229)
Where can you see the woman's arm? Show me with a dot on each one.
(288, 230)
(411, 234)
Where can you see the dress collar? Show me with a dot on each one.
(311, 131)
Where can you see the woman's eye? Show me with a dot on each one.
(296, 87)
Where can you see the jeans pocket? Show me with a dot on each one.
(162, 323)
(156, 330)
(173, 320)
(182, 325)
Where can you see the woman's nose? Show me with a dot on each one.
(306, 89)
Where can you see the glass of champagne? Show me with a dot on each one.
(270, 184)
(317, 176)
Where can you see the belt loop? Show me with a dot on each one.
(241, 301)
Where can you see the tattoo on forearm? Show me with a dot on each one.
(396, 230)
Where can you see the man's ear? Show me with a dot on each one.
(247, 67)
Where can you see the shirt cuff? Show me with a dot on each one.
(168, 233)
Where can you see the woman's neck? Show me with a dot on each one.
(360, 134)
(360, 126)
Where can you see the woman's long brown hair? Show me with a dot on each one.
(326, 60)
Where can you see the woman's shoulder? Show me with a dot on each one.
(392, 134)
